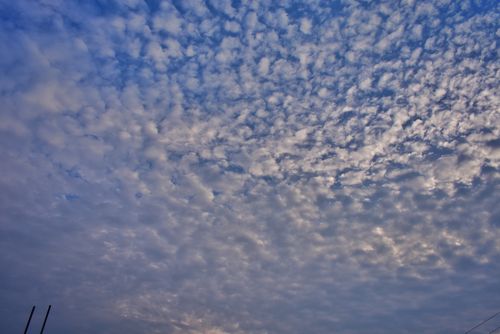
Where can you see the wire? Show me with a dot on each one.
(493, 331)
(483, 322)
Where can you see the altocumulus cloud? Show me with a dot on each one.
(249, 166)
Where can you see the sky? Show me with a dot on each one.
(250, 167)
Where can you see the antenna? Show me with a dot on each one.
(45, 320)
(29, 320)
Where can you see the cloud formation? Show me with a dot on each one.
(246, 167)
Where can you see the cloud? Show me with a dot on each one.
(235, 167)
(305, 26)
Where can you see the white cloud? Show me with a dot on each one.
(169, 23)
(230, 171)
(305, 25)
(264, 66)
(232, 26)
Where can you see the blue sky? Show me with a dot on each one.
(250, 167)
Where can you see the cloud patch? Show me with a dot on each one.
(237, 167)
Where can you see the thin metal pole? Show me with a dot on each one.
(29, 320)
(45, 320)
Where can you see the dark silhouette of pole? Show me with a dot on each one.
(45, 320)
(29, 320)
